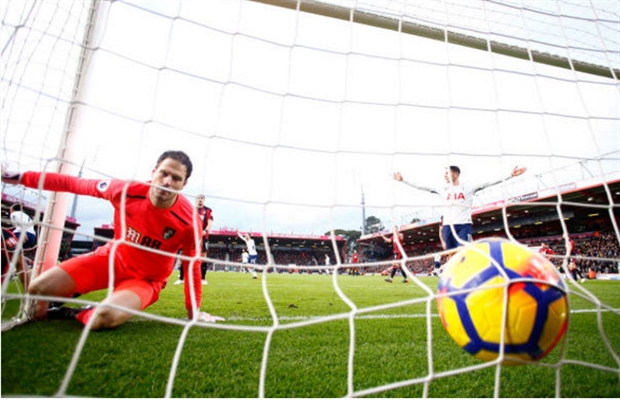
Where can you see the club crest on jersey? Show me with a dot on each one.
(168, 233)
(102, 186)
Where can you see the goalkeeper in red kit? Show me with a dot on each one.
(147, 216)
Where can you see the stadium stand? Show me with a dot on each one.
(532, 220)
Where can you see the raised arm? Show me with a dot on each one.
(399, 177)
(516, 171)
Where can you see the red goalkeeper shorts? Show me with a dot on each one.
(91, 272)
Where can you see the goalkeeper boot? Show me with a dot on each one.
(388, 280)
(66, 313)
(58, 304)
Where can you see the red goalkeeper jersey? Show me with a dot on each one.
(139, 226)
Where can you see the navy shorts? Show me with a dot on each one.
(463, 232)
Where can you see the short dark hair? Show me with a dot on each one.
(456, 169)
(179, 156)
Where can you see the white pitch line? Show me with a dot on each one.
(318, 317)
(370, 316)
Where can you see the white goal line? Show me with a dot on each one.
(361, 317)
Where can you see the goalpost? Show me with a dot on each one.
(46, 103)
(287, 108)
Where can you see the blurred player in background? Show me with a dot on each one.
(9, 245)
(546, 251)
(437, 261)
(395, 239)
(23, 225)
(459, 198)
(355, 259)
(573, 269)
(206, 216)
(245, 258)
(252, 253)
(151, 215)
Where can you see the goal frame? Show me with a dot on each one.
(50, 236)
(444, 35)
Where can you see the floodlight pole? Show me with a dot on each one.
(363, 212)
(75, 197)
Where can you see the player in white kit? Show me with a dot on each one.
(459, 198)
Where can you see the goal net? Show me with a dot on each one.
(293, 111)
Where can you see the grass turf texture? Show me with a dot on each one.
(135, 359)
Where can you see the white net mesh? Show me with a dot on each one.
(290, 111)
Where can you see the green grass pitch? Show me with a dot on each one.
(305, 359)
